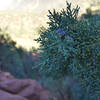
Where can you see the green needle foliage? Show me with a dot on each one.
(71, 47)
(55, 49)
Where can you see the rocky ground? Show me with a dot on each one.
(12, 88)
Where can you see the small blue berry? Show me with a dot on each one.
(70, 39)
(61, 31)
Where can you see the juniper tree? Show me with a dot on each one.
(71, 46)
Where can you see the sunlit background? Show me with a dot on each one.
(22, 18)
(4, 4)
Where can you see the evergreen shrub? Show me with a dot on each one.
(71, 47)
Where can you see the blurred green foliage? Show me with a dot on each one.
(71, 47)
(15, 60)
(93, 17)
(9, 58)
(92, 14)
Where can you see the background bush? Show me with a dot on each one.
(93, 17)
(9, 57)
(15, 60)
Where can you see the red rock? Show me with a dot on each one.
(8, 96)
(21, 89)
(5, 76)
